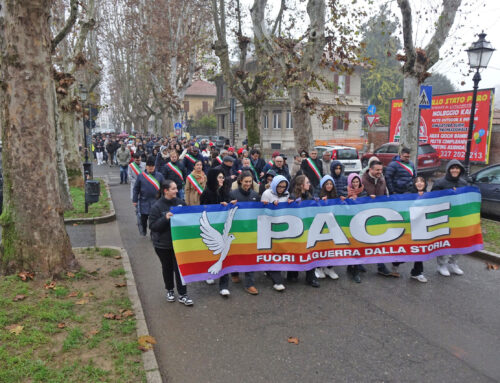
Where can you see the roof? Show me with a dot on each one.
(201, 88)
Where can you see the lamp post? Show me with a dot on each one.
(479, 56)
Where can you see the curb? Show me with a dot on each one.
(148, 358)
(95, 220)
(487, 256)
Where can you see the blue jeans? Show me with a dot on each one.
(123, 173)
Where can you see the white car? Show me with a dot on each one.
(347, 155)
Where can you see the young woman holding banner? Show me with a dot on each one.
(159, 224)
(301, 192)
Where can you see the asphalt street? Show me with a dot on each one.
(382, 330)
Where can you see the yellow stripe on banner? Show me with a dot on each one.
(202, 254)
(195, 244)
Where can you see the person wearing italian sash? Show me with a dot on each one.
(146, 192)
(195, 184)
(301, 192)
(135, 168)
(400, 172)
(257, 162)
(312, 167)
(174, 170)
(191, 157)
(270, 163)
(159, 224)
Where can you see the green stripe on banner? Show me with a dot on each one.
(193, 231)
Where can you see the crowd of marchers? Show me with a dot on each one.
(163, 173)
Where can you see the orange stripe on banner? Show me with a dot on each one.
(299, 248)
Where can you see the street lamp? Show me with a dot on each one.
(479, 55)
(87, 166)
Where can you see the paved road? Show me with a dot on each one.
(382, 330)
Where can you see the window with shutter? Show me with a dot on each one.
(205, 106)
(346, 122)
(186, 106)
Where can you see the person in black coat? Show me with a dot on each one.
(174, 170)
(145, 193)
(302, 192)
(257, 162)
(453, 179)
(159, 224)
(244, 193)
(312, 167)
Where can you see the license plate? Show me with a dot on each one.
(428, 161)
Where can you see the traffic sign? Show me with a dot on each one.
(371, 110)
(178, 131)
(371, 119)
(178, 125)
(425, 98)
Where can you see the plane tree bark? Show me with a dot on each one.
(34, 237)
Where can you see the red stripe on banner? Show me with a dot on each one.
(250, 259)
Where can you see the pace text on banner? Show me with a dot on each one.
(211, 241)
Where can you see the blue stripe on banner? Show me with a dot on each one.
(249, 210)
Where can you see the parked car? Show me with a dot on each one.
(348, 156)
(219, 141)
(488, 181)
(428, 157)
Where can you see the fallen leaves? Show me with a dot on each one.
(25, 275)
(69, 274)
(122, 315)
(19, 297)
(82, 302)
(89, 294)
(50, 285)
(61, 325)
(91, 333)
(146, 342)
(117, 257)
(293, 340)
(15, 329)
(491, 266)
(126, 313)
(73, 294)
(109, 316)
(123, 284)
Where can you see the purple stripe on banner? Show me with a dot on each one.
(331, 262)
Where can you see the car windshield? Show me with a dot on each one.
(425, 149)
(347, 154)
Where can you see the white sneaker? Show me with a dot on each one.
(455, 269)
(420, 278)
(278, 287)
(210, 281)
(331, 272)
(319, 273)
(224, 292)
(443, 270)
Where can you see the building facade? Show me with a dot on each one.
(199, 99)
(277, 124)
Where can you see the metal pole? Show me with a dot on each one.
(476, 79)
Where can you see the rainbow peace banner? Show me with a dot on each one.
(213, 240)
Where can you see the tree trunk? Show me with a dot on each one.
(252, 119)
(302, 130)
(62, 175)
(69, 130)
(410, 114)
(34, 237)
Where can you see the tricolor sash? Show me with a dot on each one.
(314, 168)
(219, 159)
(135, 168)
(191, 158)
(153, 181)
(176, 170)
(407, 168)
(254, 171)
(271, 163)
(192, 180)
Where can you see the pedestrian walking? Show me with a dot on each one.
(195, 184)
(123, 157)
(146, 190)
(159, 224)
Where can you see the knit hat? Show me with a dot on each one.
(240, 150)
(228, 158)
(150, 161)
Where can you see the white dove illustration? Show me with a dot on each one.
(216, 242)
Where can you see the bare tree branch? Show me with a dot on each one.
(405, 7)
(69, 24)
(279, 17)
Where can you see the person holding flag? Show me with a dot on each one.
(146, 189)
(312, 168)
(195, 184)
